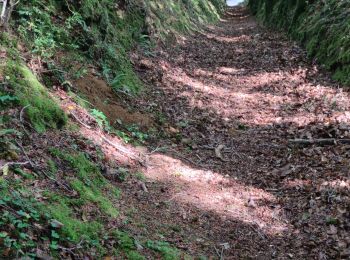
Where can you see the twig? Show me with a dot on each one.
(22, 120)
(70, 250)
(9, 209)
(143, 186)
(184, 158)
(35, 167)
(13, 163)
(25, 154)
(4, 7)
(118, 147)
(21, 113)
(218, 153)
(322, 141)
(123, 92)
(81, 122)
(123, 150)
(220, 255)
(257, 231)
(158, 149)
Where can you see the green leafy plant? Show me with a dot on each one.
(101, 119)
(20, 216)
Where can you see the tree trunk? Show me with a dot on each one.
(6, 10)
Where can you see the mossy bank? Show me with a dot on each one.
(323, 27)
(102, 33)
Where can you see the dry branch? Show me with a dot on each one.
(322, 141)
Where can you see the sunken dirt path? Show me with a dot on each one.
(224, 182)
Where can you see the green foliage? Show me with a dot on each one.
(320, 25)
(7, 99)
(92, 28)
(89, 182)
(93, 194)
(167, 252)
(173, 17)
(73, 228)
(132, 133)
(38, 29)
(127, 245)
(20, 214)
(41, 109)
(137, 134)
(101, 119)
(52, 167)
(103, 32)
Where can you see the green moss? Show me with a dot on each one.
(93, 194)
(319, 25)
(52, 167)
(104, 32)
(74, 228)
(173, 17)
(89, 182)
(41, 109)
(126, 244)
(167, 252)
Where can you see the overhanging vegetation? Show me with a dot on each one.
(321, 26)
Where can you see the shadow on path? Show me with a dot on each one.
(232, 96)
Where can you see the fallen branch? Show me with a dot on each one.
(124, 151)
(35, 167)
(116, 146)
(13, 163)
(218, 153)
(26, 155)
(79, 121)
(322, 141)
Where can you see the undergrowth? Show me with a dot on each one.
(36, 222)
(42, 111)
(104, 32)
(20, 87)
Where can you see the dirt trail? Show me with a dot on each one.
(225, 182)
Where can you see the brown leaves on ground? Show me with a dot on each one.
(238, 93)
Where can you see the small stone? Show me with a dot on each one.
(186, 141)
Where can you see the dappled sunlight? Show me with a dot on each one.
(296, 184)
(113, 147)
(200, 188)
(211, 191)
(226, 39)
(336, 184)
(232, 92)
(229, 112)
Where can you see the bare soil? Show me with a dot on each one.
(102, 96)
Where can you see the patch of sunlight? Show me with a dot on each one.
(226, 39)
(204, 189)
(210, 191)
(336, 184)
